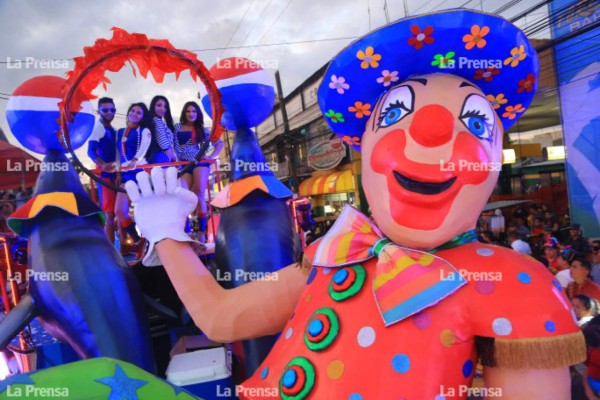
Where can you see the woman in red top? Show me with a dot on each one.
(591, 376)
(581, 270)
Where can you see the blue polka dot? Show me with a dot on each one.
(289, 378)
(326, 270)
(315, 328)
(355, 396)
(467, 368)
(550, 326)
(312, 275)
(557, 285)
(440, 397)
(340, 276)
(524, 277)
(401, 363)
(264, 373)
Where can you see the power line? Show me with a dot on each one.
(259, 18)
(237, 27)
(270, 26)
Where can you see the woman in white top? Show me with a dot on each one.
(162, 135)
(133, 143)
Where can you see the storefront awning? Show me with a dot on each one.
(337, 182)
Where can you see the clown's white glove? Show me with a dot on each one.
(161, 209)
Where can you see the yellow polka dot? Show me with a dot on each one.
(335, 369)
(308, 298)
(447, 337)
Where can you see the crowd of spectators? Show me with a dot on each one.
(10, 200)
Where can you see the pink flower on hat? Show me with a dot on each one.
(338, 84)
(388, 77)
(369, 58)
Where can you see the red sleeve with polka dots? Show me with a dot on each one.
(517, 310)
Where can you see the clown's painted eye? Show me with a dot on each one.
(396, 105)
(478, 117)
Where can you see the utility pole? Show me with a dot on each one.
(290, 148)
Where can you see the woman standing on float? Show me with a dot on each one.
(190, 134)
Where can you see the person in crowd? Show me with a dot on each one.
(551, 220)
(581, 270)
(551, 255)
(596, 261)
(585, 308)
(515, 242)
(162, 147)
(190, 134)
(133, 144)
(537, 229)
(579, 243)
(21, 197)
(102, 149)
(591, 374)
(497, 223)
(564, 266)
(487, 237)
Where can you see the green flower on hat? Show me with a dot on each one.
(443, 61)
(517, 54)
(334, 116)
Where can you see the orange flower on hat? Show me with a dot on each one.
(527, 83)
(420, 36)
(352, 141)
(476, 37)
(517, 54)
(487, 75)
(510, 112)
(496, 101)
(368, 58)
(360, 109)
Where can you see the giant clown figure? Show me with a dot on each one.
(405, 305)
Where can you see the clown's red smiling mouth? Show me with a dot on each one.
(427, 188)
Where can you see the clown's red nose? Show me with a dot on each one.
(432, 126)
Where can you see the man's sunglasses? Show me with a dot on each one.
(105, 110)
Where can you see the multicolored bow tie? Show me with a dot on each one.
(406, 281)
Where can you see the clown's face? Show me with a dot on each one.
(431, 156)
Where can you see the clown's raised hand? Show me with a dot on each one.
(161, 208)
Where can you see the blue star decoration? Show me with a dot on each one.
(22, 379)
(122, 386)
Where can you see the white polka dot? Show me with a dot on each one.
(326, 270)
(288, 333)
(366, 336)
(502, 326)
(484, 251)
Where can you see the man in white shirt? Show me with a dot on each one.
(517, 244)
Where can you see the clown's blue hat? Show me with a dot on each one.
(482, 48)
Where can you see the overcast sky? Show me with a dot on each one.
(44, 29)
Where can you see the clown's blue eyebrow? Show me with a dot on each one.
(422, 81)
(465, 83)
